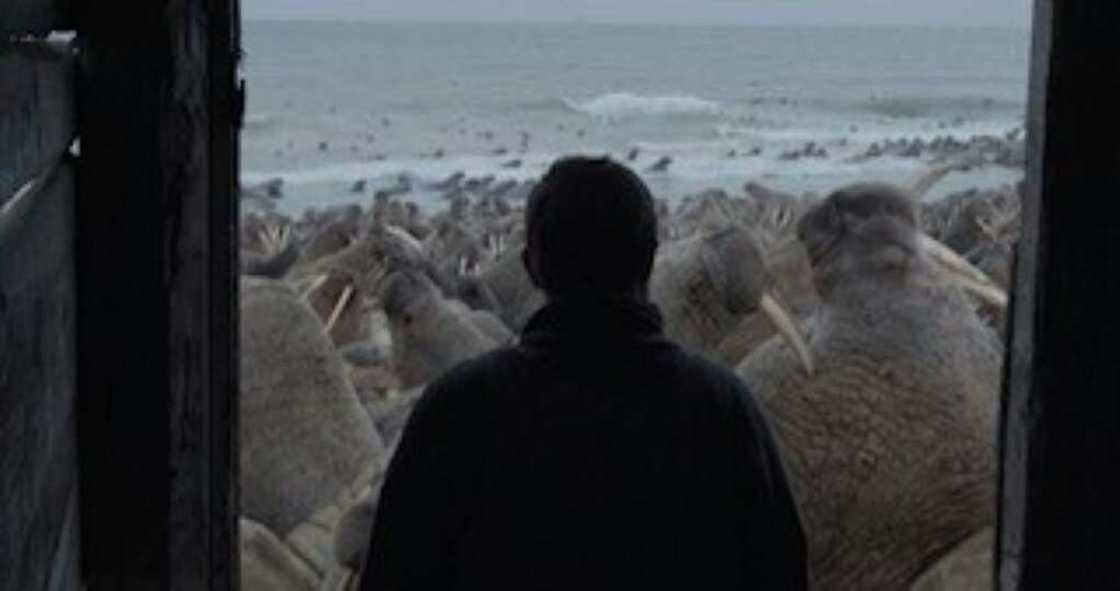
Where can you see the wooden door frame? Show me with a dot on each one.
(158, 322)
(1060, 469)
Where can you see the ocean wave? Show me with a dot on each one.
(625, 104)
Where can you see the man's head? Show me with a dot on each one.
(591, 230)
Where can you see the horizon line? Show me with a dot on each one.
(597, 22)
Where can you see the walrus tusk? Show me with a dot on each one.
(950, 260)
(988, 229)
(963, 272)
(285, 235)
(989, 293)
(788, 329)
(379, 275)
(1000, 225)
(266, 240)
(315, 285)
(922, 183)
(342, 301)
(273, 237)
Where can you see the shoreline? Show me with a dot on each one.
(983, 162)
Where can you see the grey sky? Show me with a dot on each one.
(1015, 13)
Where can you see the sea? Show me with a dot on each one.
(330, 104)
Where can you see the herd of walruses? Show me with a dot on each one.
(868, 322)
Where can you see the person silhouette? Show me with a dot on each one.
(594, 453)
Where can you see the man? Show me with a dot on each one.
(595, 454)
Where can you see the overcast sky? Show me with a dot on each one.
(1015, 13)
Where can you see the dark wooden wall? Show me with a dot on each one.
(34, 16)
(39, 484)
(157, 306)
(1060, 499)
(37, 117)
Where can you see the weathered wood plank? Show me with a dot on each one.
(65, 572)
(37, 115)
(1061, 438)
(226, 109)
(38, 387)
(155, 228)
(35, 16)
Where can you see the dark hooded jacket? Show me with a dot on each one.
(595, 454)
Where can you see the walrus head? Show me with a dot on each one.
(870, 230)
(430, 333)
(750, 287)
(724, 275)
(403, 292)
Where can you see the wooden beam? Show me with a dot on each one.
(226, 101)
(34, 16)
(1061, 434)
(157, 300)
(37, 113)
(38, 387)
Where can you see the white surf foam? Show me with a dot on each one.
(625, 104)
(262, 123)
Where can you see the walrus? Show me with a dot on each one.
(351, 540)
(328, 240)
(890, 442)
(705, 285)
(453, 247)
(342, 287)
(968, 225)
(275, 266)
(390, 413)
(417, 224)
(509, 284)
(707, 212)
(788, 264)
(774, 220)
(268, 564)
(451, 182)
(968, 567)
(280, 253)
(384, 249)
(430, 334)
(472, 291)
(661, 165)
(304, 435)
(785, 256)
(336, 298)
